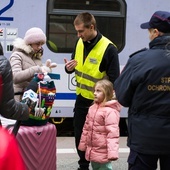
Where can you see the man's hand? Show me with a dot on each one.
(70, 65)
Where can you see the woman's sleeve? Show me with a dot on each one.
(20, 75)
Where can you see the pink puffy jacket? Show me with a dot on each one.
(100, 136)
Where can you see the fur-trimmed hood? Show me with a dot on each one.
(114, 104)
(20, 45)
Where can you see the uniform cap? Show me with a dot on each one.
(159, 20)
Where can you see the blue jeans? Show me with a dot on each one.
(101, 166)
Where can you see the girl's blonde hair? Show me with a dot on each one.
(107, 89)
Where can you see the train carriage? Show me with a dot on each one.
(119, 20)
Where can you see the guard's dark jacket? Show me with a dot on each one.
(144, 87)
(9, 108)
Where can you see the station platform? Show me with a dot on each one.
(67, 157)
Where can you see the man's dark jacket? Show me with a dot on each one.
(144, 87)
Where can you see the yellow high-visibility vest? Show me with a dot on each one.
(87, 73)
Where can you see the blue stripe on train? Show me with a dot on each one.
(6, 18)
(65, 96)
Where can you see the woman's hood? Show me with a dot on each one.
(19, 44)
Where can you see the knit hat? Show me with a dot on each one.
(34, 35)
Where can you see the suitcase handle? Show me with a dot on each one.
(16, 127)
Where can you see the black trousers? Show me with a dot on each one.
(80, 112)
(138, 161)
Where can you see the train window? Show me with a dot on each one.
(110, 17)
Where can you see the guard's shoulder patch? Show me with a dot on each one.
(143, 49)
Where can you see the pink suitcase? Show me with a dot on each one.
(38, 146)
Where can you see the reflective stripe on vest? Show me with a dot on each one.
(87, 73)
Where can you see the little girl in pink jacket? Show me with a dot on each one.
(100, 136)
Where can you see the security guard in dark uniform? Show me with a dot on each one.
(144, 87)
